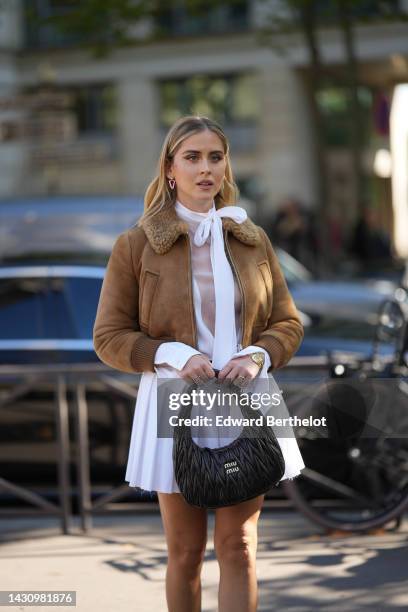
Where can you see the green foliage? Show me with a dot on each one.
(99, 25)
(103, 25)
(290, 16)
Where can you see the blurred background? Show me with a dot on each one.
(313, 96)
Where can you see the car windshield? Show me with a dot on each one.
(46, 308)
(334, 327)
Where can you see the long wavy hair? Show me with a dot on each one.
(158, 193)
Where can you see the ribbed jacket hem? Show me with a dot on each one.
(143, 352)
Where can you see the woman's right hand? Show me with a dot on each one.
(198, 369)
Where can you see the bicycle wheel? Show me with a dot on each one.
(354, 481)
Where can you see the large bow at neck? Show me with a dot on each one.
(213, 218)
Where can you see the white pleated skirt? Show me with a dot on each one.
(150, 461)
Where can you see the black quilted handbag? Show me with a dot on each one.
(227, 475)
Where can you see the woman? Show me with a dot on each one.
(196, 286)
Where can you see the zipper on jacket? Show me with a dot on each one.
(191, 292)
(229, 257)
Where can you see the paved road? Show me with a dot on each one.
(121, 565)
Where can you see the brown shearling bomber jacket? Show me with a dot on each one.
(146, 296)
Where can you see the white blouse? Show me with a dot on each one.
(176, 354)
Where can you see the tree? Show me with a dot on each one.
(102, 26)
(307, 17)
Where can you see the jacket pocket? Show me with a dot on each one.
(266, 304)
(149, 286)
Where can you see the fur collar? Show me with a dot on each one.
(163, 229)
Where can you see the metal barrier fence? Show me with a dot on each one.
(18, 380)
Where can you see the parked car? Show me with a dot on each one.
(339, 316)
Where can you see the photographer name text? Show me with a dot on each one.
(229, 421)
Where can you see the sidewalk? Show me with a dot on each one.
(121, 565)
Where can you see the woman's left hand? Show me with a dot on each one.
(239, 367)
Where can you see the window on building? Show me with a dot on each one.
(40, 33)
(67, 114)
(364, 9)
(231, 100)
(95, 108)
(334, 104)
(201, 17)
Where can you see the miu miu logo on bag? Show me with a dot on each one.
(231, 467)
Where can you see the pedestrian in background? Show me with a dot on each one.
(294, 229)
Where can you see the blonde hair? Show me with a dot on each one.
(158, 193)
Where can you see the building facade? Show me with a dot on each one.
(85, 125)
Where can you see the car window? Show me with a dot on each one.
(22, 312)
(77, 304)
(48, 308)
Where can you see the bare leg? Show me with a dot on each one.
(186, 533)
(235, 543)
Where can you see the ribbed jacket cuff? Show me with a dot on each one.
(143, 352)
(275, 349)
